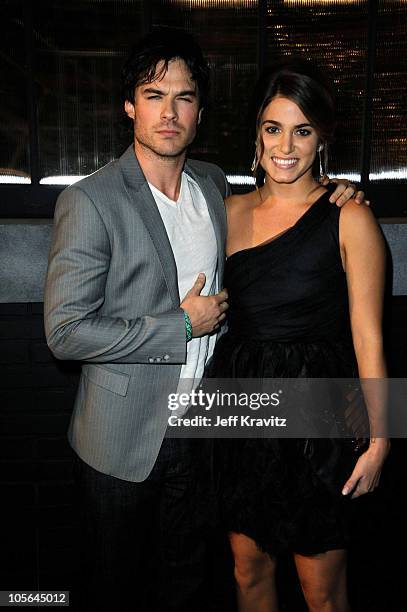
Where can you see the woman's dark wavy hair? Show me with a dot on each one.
(302, 82)
(164, 44)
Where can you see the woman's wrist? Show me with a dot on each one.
(380, 446)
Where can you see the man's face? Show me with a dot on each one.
(165, 112)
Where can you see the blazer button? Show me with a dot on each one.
(166, 357)
(158, 359)
(151, 360)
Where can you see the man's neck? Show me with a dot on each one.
(162, 172)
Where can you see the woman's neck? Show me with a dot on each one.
(297, 192)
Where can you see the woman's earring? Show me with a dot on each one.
(253, 167)
(321, 169)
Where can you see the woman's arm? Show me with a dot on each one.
(363, 254)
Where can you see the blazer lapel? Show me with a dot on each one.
(142, 197)
(216, 210)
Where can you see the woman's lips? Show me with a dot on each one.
(285, 164)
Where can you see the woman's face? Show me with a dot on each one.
(290, 142)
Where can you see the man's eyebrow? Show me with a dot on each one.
(300, 125)
(160, 92)
(187, 92)
(152, 90)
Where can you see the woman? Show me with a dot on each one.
(305, 282)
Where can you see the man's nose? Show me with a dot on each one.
(169, 110)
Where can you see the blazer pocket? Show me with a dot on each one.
(116, 382)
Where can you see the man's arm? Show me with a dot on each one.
(78, 268)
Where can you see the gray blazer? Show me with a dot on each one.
(112, 302)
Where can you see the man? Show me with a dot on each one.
(134, 292)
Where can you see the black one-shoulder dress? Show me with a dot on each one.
(288, 317)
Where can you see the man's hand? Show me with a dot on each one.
(345, 190)
(205, 312)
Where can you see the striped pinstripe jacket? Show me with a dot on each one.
(111, 302)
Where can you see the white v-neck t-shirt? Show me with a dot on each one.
(193, 241)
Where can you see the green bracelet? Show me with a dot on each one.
(188, 326)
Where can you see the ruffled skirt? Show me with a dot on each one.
(278, 491)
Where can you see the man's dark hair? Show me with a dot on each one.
(164, 44)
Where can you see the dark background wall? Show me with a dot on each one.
(60, 88)
(36, 397)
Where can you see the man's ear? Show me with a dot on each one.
(200, 116)
(129, 109)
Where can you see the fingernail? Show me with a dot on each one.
(345, 491)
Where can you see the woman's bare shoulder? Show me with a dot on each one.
(235, 204)
(358, 226)
(357, 217)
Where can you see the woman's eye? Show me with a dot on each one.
(303, 132)
(272, 129)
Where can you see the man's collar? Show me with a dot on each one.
(131, 168)
(194, 170)
(134, 174)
